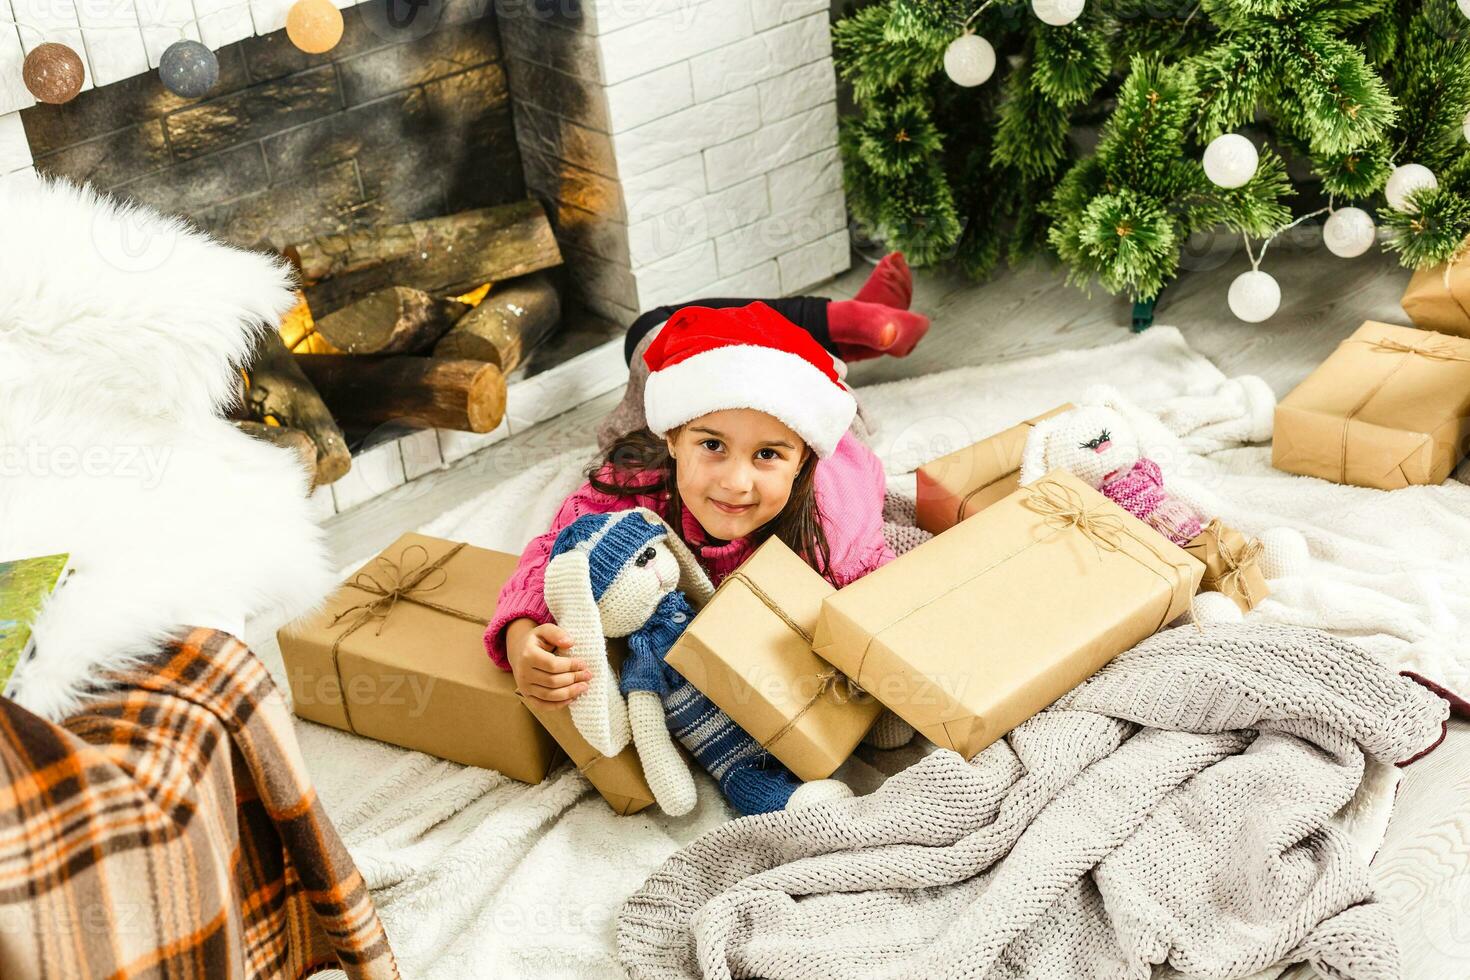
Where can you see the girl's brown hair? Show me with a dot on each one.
(798, 525)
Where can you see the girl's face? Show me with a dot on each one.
(735, 469)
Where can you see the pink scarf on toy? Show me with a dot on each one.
(1140, 491)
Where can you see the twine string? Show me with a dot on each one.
(829, 682)
(1459, 253)
(1238, 563)
(1437, 347)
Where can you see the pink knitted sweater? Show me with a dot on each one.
(849, 486)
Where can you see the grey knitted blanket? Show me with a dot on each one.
(1167, 818)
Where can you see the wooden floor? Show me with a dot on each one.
(1019, 313)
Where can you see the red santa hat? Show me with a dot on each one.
(708, 360)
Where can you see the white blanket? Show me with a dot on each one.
(477, 875)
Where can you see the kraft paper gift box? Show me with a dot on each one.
(1390, 407)
(1232, 564)
(1438, 298)
(397, 655)
(965, 482)
(749, 650)
(979, 628)
(619, 778)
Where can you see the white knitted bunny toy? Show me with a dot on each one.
(627, 574)
(1098, 443)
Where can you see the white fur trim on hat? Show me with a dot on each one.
(749, 376)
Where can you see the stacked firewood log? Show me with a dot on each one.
(403, 329)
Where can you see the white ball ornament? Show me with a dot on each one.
(189, 69)
(1405, 180)
(1348, 232)
(1465, 126)
(1231, 160)
(1465, 7)
(969, 60)
(1059, 13)
(1254, 296)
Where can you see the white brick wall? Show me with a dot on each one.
(715, 120)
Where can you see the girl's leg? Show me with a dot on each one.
(807, 312)
(852, 330)
(874, 322)
(753, 787)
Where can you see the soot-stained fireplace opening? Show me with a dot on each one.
(394, 124)
(388, 171)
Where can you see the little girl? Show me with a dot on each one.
(735, 428)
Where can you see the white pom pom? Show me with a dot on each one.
(1254, 296)
(1231, 160)
(1216, 607)
(1283, 553)
(969, 60)
(1349, 232)
(1406, 180)
(1057, 13)
(818, 791)
(1465, 7)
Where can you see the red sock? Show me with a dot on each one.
(864, 330)
(890, 283)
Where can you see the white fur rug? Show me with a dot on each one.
(477, 875)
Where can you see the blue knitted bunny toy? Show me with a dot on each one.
(626, 574)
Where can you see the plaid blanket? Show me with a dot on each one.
(169, 829)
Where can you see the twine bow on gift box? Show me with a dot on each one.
(398, 583)
(1237, 563)
(831, 681)
(1062, 507)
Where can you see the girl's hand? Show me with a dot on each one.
(543, 675)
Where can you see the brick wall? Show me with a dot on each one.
(684, 147)
(291, 145)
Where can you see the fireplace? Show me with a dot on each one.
(679, 148)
